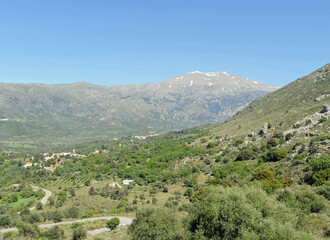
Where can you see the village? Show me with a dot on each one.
(50, 161)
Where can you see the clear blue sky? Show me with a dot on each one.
(137, 41)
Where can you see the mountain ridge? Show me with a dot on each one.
(87, 111)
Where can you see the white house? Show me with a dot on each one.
(127, 182)
(28, 164)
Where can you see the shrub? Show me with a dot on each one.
(309, 201)
(122, 203)
(273, 142)
(87, 182)
(270, 183)
(130, 208)
(218, 158)
(54, 233)
(156, 224)
(30, 203)
(5, 221)
(239, 168)
(113, 223)
(188, 192)
(321, 177)
(72, 212)
(33, 218)
(245, 154)
(168, 204)
(325, 191)
(288, 136)
(28, 230)
(322, 120)
(319, 164)
(242, 213)
(39, 206)
(238, 142)
(79, 233)
(210, 145)
(13, 197)
(278, 135)
(275, 155)
(263, 174)
(88, 214)
(191, 182)
(57, 216)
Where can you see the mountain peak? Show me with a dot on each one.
(225, 82)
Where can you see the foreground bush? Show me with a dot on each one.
(113, 223)
(156, 224)
(242, 213)
(224, 213)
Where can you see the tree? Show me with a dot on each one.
(113, 223)
(288, 136)
(319, 164)
(58, 216)
(188, 192)
(54, 233)
(13, 197)
(156, 224)
(91, 191)
(275, 155)
(5, 221)
(241, 213)
(51, 201)
(245, 154)
(273, 142)
(39, 206)
(72, 192)
(72, 212)
(28, 230)
(165, 189)
(88, 182)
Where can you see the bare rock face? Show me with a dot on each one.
(320, 98)
(265, 128)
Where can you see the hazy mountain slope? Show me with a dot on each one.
(284, 107)
(86, 111)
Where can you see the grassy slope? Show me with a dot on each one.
(286, 105)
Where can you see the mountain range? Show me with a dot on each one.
(84, 111)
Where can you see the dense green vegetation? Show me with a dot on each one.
(224, 213)
(191, 184)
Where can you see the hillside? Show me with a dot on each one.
(210, 182)
(82, 111)
(283, 107)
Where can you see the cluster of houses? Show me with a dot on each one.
(48, 156)
(144, 137)
(62, 154)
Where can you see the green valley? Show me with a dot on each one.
(262, 174)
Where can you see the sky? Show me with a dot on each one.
(110, 42)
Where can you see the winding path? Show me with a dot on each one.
(43, 201)
(123, 221)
